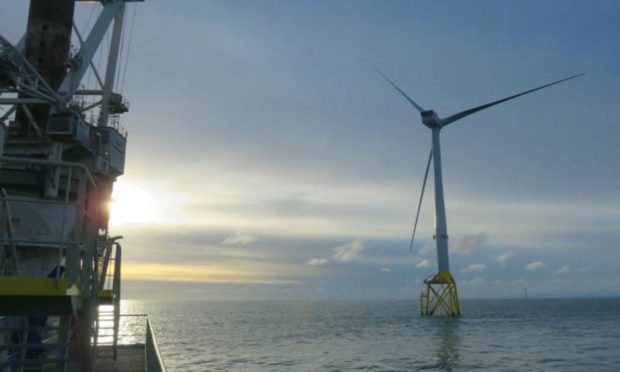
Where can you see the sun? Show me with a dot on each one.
(131, 204)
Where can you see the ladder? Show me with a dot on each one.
(423, 303)
(108, 309)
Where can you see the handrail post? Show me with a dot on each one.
(116, 290)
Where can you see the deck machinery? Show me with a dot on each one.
(62, 149)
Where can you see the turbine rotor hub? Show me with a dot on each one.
(430, 119)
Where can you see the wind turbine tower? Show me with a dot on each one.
(441, 293)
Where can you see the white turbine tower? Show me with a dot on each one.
(441, 290)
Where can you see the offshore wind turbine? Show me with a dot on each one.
(441, 293)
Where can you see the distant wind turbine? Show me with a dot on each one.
(441, 290)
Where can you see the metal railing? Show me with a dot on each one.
(49, 163)
(114, 122)
(52, 348)
(63, 243)
(134, 329)
(154, 361)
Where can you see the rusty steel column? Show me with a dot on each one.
(46, 47)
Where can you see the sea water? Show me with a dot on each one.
(386, 335)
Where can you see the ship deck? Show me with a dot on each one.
(130, 358)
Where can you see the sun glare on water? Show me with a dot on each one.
(131, 205)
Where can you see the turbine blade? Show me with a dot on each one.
(418, 107)
(417, 215)
(462, 114)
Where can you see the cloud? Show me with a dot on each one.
(239, 273)
(423, 263)
(344, 253)
(348, 252)
(478, 267)
(503, 259)
(474, 281)
(426, 249)
(386, 269)
(239, 239)
(562, 270)
(317, 262)
(534, 265)
(466, 244)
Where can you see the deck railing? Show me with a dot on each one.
(136, 329)
(154, 361)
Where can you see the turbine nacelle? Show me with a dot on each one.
(430, 119)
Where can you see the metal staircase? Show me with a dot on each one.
(108, 310)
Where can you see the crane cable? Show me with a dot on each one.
(89, 71)
(128, 49)
(117, 72)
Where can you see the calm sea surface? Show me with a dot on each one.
(496, 335)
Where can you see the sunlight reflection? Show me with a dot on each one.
(449, 344)
(132, 325)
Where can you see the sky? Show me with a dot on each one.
(267, 160)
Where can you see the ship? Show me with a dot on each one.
(62, 148)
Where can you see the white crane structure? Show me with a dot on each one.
(441, 292)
